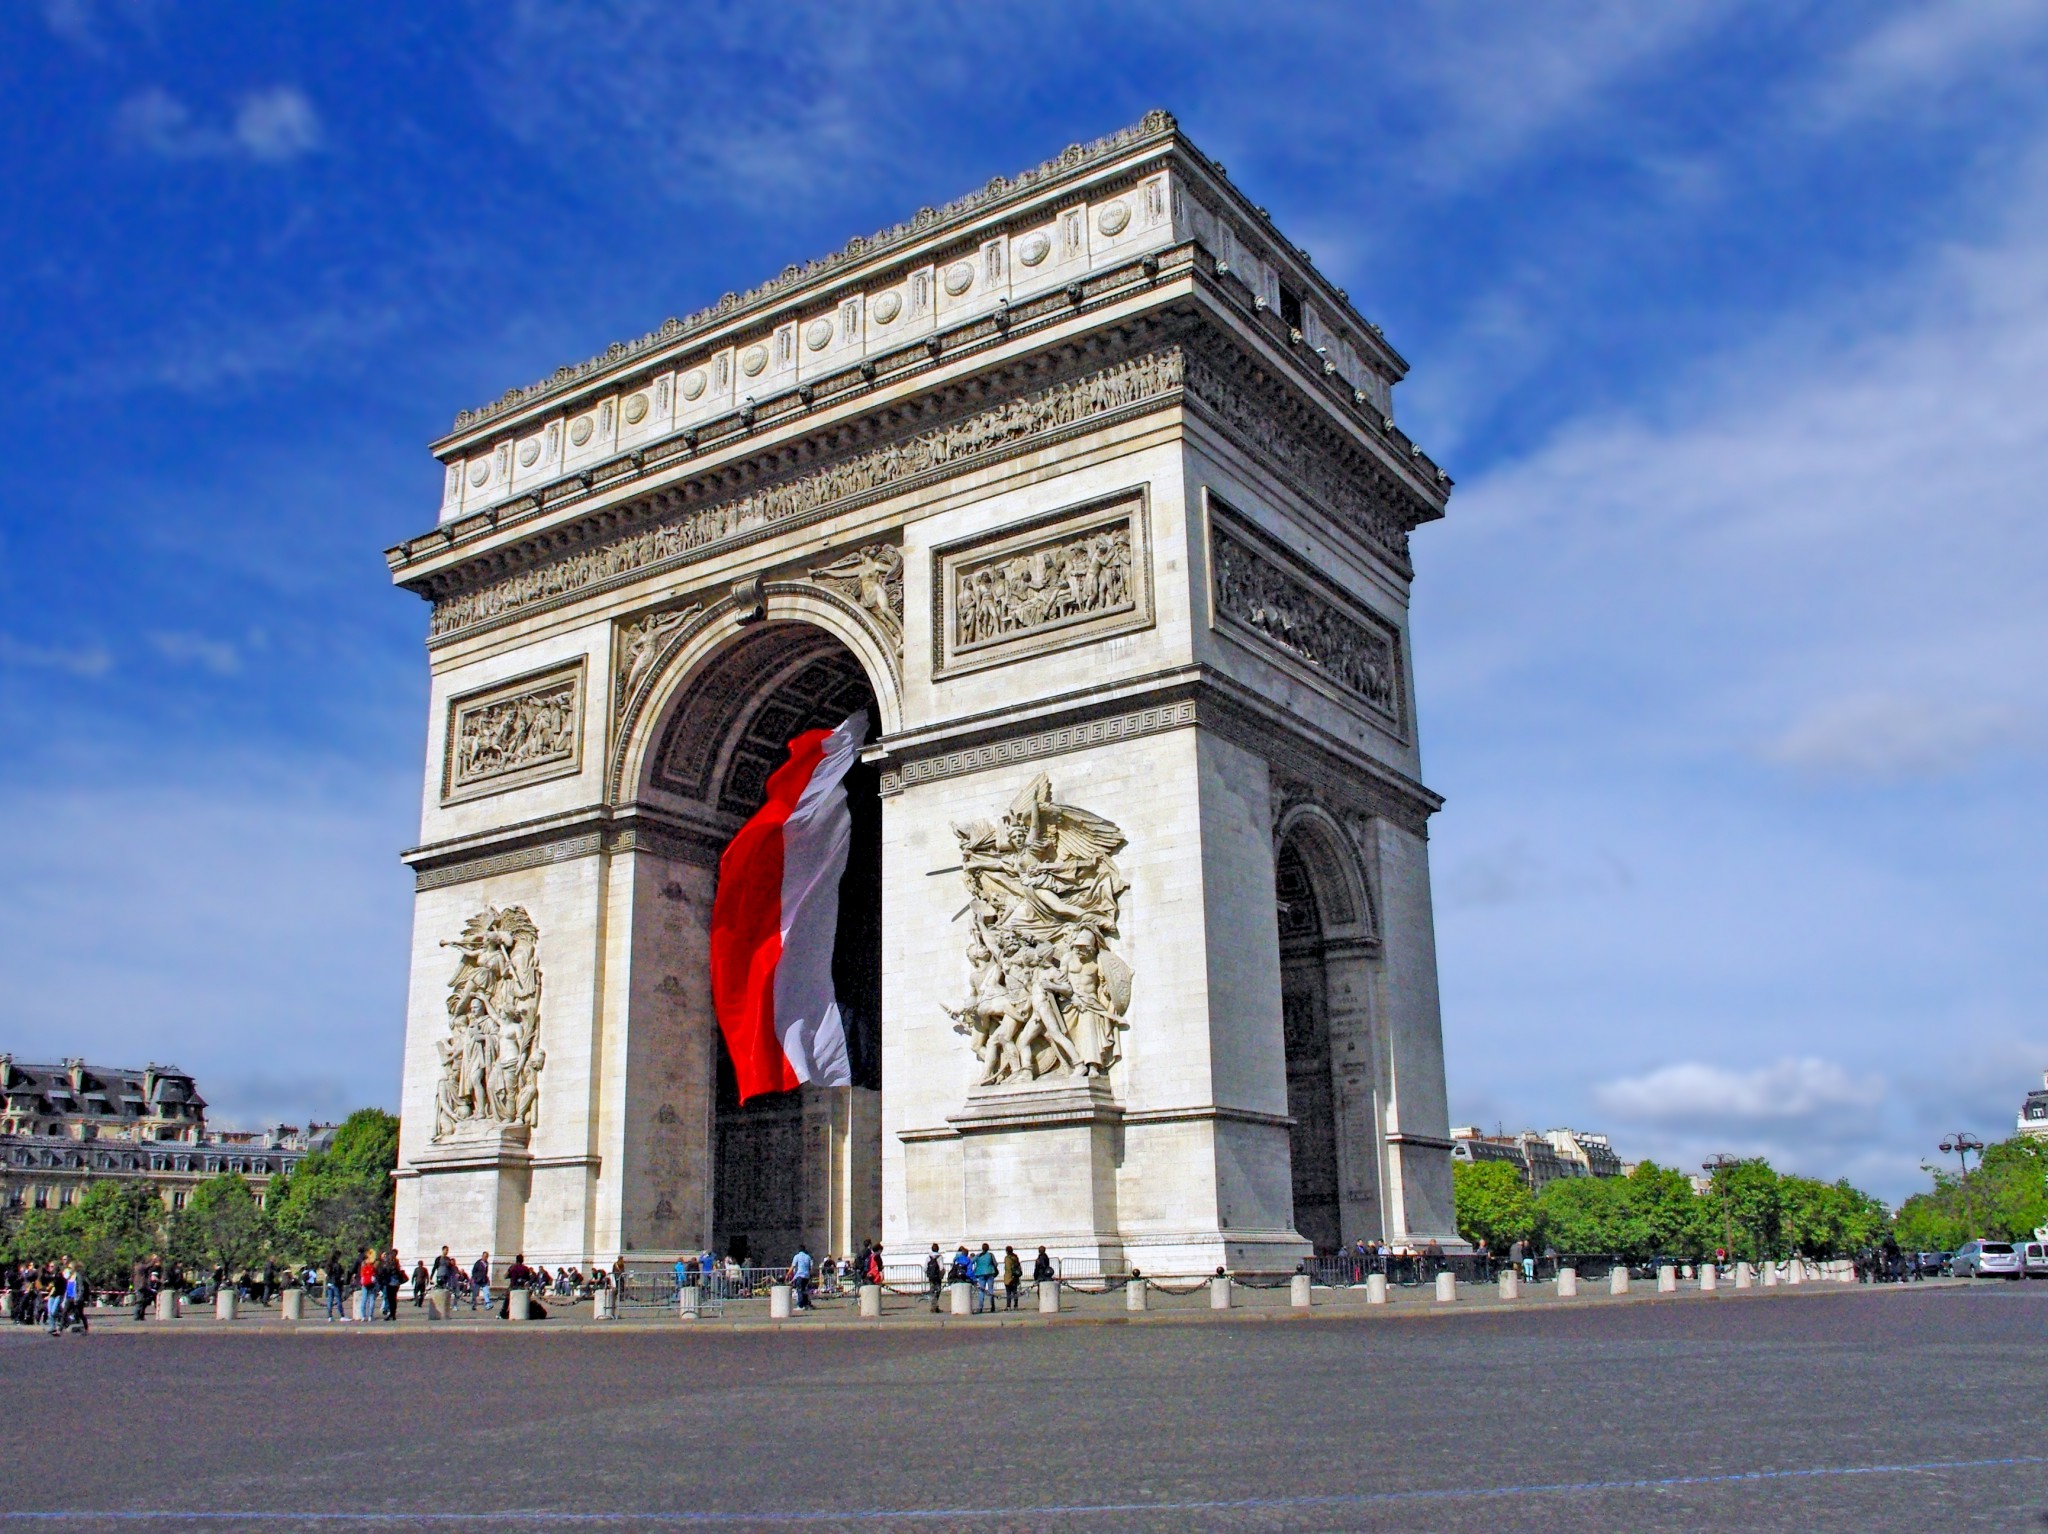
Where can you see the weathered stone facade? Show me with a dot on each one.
(1089, 488)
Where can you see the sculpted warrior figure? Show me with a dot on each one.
(1046, 995)
(490, 1061)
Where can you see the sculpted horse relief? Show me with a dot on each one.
(1046, 995)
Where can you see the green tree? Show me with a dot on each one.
(339, 1199)
(1744, 1209)
(220, 1225)
(1932, 1222)
(1583, 1216)
(2011, 1187)
(1828, 1219)
(1663, 1217)
(1495, 1207)
(112, 1226)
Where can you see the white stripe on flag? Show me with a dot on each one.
(815, 840)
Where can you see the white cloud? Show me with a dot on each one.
(215, 655)
(1916, 56)
(84, 661)
(272, 125)
(1697, 1093)
(1882, 736)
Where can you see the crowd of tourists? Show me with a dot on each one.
(52, 1296)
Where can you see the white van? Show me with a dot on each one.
(2034, 1259)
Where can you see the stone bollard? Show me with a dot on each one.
(521, 1306)
(1745, 1276)
(227, 1304)
(1219, 1292)
(167, 1304)
(963, 1299)
(1375, 1288)
(1667, 1279)
(1795, 1271)
(600, 1304)
(292, 1305)
(1617, 1279)
(1710, 1278)
(1446, 1288)
(1567, 1283)
(690, 1302)
(871, 1302)
(1510, 1285)
(1049, 1297)
(1300, 1292)
(1770, 1275)
(1134, 1293)
(779, 1297)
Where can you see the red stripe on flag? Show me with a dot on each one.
(746, 928)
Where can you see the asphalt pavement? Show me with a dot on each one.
(1823, 1407)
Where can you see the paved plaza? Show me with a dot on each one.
(1823, 1407)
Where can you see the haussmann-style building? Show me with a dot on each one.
(1088, 488)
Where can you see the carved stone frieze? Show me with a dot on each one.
(1339, 641)
(1316, 459)
(1046, 995)
(491, 1060)
(515, 733)
(872, 579)
(1148, 378)
(1082, 574)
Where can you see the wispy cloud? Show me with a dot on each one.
(90, 660)
(1695, 1093)
(1886, 736)
(1913, 59)
(215, 655)
(269, 126)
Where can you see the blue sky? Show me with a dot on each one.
(1731, 321)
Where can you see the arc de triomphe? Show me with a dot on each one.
(1088, 487)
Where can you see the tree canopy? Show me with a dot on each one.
(1495, 1207)
(339, 1199)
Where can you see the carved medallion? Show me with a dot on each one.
(1033, 248)
(1080, 575)
(959, 278)
(636, 409)
(886, 308)
(579, 430)
(516, 733)
(491, 1060)
(1114, 218)
(693, 384)
(818, 335)
(1045, 994)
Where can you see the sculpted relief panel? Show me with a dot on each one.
(515, 733)
(1344, 644)
(491, 1060)
(1046, 996)
(1082, 575)
(872, 579)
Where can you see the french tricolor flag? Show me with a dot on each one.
(775, 918)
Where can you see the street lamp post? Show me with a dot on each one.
(1961, 1144)
(1719, 1162)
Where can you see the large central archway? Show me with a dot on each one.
(801, 1166)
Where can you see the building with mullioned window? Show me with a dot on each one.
(62, 1126)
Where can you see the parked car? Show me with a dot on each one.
(2034, 1259)
(1987, 1259)
(1934, 1264)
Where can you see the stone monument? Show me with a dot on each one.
(1088, 487)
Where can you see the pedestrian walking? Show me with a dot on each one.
(331, 1286)
(935, 1276)
(985, 1279)
(800, 1277)
(1013, 1275)
(480, 1282)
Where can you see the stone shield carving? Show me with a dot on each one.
(516, 733)
(1046, 995)
(491, 1060)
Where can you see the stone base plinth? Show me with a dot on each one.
(471, 1189)
(1038, 1167)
